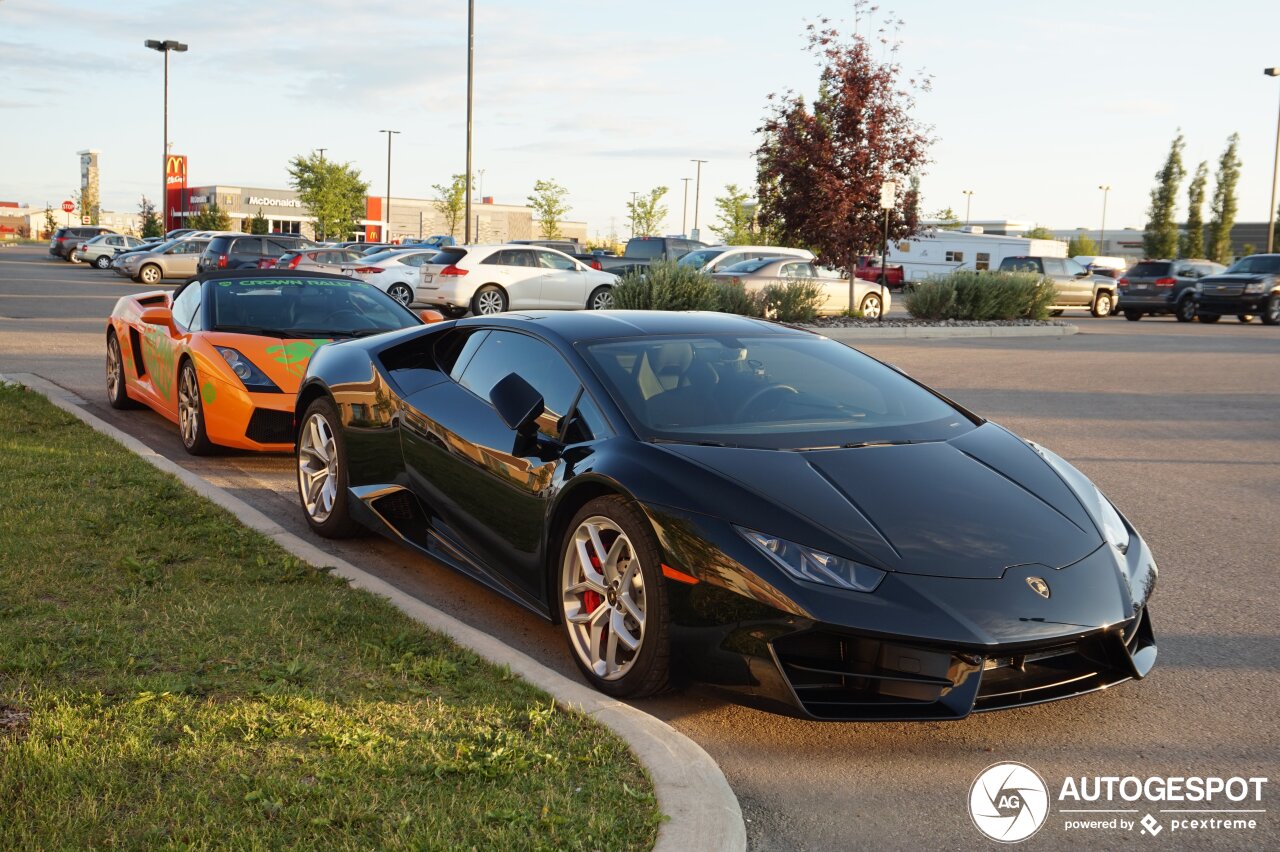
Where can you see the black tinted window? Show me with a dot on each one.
(644, 248)
(1258, 263)
(449, 256)
(1149, 269)
(247, 247)
(505, 352)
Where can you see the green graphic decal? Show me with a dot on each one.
(157, 355)
(208, 392)
(295, 354)
(285, 282)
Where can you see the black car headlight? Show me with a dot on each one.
(245, 370)
(814, 566)
(1098, 506)
(1255, 287)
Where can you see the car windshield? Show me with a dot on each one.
(770, 392)
(700, 258)
(1258, 263)
(378, 257)
(305, 307)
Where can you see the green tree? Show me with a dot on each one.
(735, 223)
(151, 224)
(1161, 236)
(332, 192)
(451, 202)
(1192, 242)
(1248, 249)
(258, 223)
(1082, 244)
(50, 221)
(548, 202)
(86, 201)
(947, 219)
(647, 212)
(211, 218)
(1223, 206)
(1039, 232)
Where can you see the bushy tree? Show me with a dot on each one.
(50, 221)
(1161, 236)
(947, 219)
(647, 212)
(820, 166)
(258, 223)
(151, 224)
(1039, 232)
(548, 203)
(330, 191)
(451, 202)
(211, 218)
(735, 222)
(1223, 206)
(1192, 242)
(1082, 244)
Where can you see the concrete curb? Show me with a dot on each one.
(845, 335)
(702, 811)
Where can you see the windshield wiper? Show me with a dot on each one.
(860, 444)
(256, 329)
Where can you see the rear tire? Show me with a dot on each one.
(1209, 318)
(102, 261)
(601, 298)
(322, 471)
(402, 293)
(1102, 304)
(1133, 316)
(1186, 310)
(1271, 311)
(488, 300)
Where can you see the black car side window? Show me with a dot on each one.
(505, 352)
(586, 423)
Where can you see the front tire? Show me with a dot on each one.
(116, 394)
(1209, 318)
(613, 602)
(402, 293)
(1102, 304)
(322, 471)
(453, 313)
(1133, 316)
(870, 306)
(102, 261)
(149, 274)
(488, 300)
(1186, 310)
(601, 298)
(1271, 311)
(195, 439)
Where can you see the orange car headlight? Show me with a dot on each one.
(247, 372)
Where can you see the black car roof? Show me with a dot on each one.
(604, 325)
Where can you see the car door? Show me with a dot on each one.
(521, 274)
(160, 346)
(488, 502)
(563, 284)
(181, 259)
(834, 291)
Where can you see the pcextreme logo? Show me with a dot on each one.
(1008, 802)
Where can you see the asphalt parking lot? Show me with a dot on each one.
(1178, 423)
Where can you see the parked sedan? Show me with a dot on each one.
(174, 259)
(395, 271)
(1155, 287)
(710, 497)
(759, 273)
(495, 278)
(101, 249)
(322, 259)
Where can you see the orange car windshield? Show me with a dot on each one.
(305, 307)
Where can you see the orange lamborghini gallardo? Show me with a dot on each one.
(223, 357)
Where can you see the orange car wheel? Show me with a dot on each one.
(191, 413)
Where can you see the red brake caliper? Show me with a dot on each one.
(591, 600)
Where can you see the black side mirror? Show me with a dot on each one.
(519, 405)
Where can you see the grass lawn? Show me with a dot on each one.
(171, 678)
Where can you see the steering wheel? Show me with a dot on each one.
(758, 394)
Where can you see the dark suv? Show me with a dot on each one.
(64, 240)
(1250, 286)
(248, 251)
(1163, 287)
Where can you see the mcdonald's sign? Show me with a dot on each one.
(175, 171)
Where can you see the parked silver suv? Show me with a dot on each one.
(100, 249)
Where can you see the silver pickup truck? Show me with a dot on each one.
(1077, 287)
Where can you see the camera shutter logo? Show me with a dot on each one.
(1008, 802)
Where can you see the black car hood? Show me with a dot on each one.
(970, 507)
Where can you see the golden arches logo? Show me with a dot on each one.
(175, 166)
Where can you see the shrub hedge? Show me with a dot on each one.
(969, 295)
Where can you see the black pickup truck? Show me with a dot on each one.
(1250, 286)
(641, 251)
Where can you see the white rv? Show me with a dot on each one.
(938, 252)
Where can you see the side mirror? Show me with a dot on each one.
(156, 316)
(429, 316)
(1084, 273)
(518, 403)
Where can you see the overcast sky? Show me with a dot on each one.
(1034, 105)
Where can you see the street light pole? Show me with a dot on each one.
(471, 54)
(1102, 235)
(684, 209)
(1271, 217)
(968, 199)
(386, 237)
(697, 193)
(164, 47)
(633, 213)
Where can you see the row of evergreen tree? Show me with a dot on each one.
(1162, 238)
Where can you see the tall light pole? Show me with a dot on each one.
(968, 200)
(1271, 217)
(684, 209)
(697, 193)
(633, 212)
(386, 237)
(1102, 235)
(471, 65)
(164, 47)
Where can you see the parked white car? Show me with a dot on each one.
(718, 258)
(394, 271)
(491, 279)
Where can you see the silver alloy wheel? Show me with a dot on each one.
(603, 300)
(489, 302)
(114, 371)
(189, 406)
(317, 468)
(870, 306)
(150, 274)
(102, 261)
(604, 597)
(401, 293)
(1273, 310)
